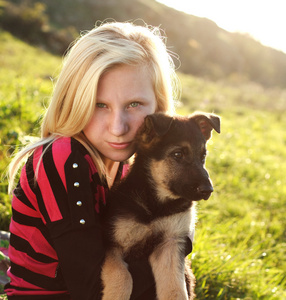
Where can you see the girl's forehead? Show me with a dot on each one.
(125, 82)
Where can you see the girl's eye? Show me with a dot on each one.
(100, 105)
(134, 104)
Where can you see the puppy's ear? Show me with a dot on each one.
(155, 125)
(207, 122)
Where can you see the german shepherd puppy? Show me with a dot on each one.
(153, 210)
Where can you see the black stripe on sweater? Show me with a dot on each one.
(22, 245)
(45, 282)
(34, 187)
(20, 194)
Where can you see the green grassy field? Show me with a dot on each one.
(240, 246)
(240, 242)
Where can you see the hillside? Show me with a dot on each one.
(204, 49)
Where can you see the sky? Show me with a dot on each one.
(264, 20)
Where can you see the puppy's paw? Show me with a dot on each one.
(116, 279)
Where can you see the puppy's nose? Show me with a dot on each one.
(205, 191)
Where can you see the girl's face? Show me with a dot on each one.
(125, 96)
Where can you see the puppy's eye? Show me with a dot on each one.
(178, 155)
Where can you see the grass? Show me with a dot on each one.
(240, 245)
(25, 86)
(239, 250)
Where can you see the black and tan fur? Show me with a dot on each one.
(153, 210)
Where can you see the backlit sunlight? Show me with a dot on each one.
(264, 20)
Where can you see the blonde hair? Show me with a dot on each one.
(93, 54)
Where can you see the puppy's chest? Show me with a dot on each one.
(130, 233)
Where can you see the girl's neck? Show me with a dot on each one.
(111, 168)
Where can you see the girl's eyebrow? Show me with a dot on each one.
(132, 99)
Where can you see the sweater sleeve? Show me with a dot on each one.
(68, 206)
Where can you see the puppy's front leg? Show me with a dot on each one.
(167, 263)
(117, 281)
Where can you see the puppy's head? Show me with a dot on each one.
(174, 152)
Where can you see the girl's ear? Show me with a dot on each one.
(207, 122)
(155, 125)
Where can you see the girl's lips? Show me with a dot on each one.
(119, 146)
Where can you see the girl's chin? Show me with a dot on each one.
(119, 157)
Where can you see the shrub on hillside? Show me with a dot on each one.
(24, 20)
(29, 21)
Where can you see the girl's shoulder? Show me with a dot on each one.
(60, 151)
(63, 156)
(64, 146)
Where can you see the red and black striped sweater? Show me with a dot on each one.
(53, 220)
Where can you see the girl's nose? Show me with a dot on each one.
(118, 125)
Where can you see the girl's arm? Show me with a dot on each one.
(68, 206)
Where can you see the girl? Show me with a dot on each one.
(112, 77)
